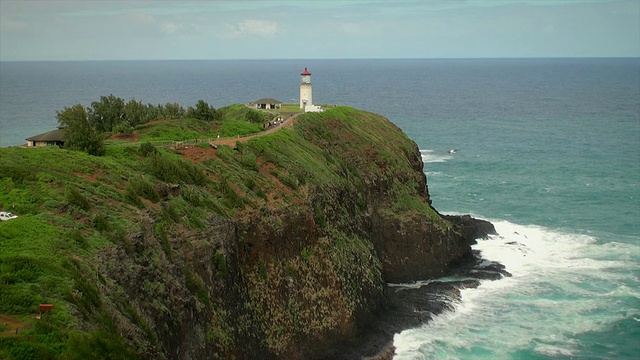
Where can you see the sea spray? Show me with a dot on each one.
(564, 285)
(431, 156)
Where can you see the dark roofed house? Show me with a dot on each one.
(52, 138)
(267, 103)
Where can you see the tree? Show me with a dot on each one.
(202, 111)
(107, 113)
(255, 116)
(173, 111)
(135, 113)
(79, 132)
(152, 112)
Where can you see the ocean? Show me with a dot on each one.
(546, 149)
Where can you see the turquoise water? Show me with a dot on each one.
(563, 189)
(547, 149)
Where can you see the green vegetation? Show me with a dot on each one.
(172, 169)
(86, 128)
(175, 130)
(240, 112)
(80, 133)
(289, 108)
(83, 220)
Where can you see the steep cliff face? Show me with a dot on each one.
(304, 268)
(282, 250)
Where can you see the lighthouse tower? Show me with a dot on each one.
(305, 89)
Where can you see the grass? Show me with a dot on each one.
(240, 112)
(33, 271)
(290, 108)
(73, 207)
(176, 130)
(235, 120)
(61, 207)
(170, 168)
(234, 128)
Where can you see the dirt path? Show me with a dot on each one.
(233, 141)
(13, 324)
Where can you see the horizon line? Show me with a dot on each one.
(325, 59)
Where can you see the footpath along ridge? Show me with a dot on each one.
(233, 141)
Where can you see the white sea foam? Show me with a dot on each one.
(563, 284)
(421, 283)
(430, 156)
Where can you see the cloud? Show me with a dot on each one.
(142, 18)
(144, 24)
(170, 28)
(7, 24)
(256, 28)
(351, 28)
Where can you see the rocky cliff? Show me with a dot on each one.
(280, 248)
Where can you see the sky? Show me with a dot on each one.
(32, 30)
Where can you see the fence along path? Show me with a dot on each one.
(230, 141)
(233, 141)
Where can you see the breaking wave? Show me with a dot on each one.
(564, 286)
(431, 156)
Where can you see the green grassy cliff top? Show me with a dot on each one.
(73, 206)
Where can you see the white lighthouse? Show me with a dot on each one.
(305, 89)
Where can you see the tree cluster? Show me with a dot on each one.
(85, 127)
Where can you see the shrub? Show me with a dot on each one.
(248, 159)
(232, 199)
(131, 197)
(175, 170)
(29, 350)
(144, 188)
(75, 197)
(102, 344)
(220, 263)
(147, 149)
(101, 223)
(19, 174)
(76, 236)
(235, 127)
(196, 286)
(250, 183)
(21, 269)
(123, 127)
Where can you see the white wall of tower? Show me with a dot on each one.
(305, 95)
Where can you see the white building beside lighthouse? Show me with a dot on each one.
(306, 95)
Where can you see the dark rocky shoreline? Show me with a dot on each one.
(409, 306)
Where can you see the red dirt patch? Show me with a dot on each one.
(197, 153)
(125, 137)
(13, 324)
(90, 177)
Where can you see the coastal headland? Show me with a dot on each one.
(281, 246)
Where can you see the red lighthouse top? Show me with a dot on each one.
(305, 72)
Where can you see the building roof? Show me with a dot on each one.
(53, 135)
(267, 101)
(305, 72)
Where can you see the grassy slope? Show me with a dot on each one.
(44, 252)
(235, 119)
(72, 206)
